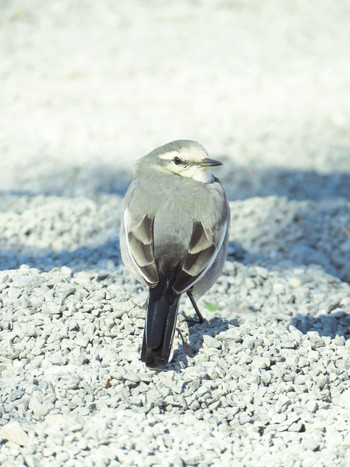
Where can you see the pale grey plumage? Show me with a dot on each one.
(174, 234)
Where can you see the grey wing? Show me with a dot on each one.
(203, 249)
(139, 242)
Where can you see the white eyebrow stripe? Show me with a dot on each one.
(168, 156)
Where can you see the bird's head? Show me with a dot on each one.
(185, 158)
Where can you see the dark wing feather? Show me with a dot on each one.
(201, 254)
(140, 244)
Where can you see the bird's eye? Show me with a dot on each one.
(177, 160)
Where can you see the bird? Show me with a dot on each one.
(173, 236)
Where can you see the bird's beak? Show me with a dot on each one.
(210, 162)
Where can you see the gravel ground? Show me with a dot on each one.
(86, 89)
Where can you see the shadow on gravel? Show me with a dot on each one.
(307, 221)
(73, 181)
(197, 332)
(242, 183)
(81, 259)
(336, 324)
(236, 252)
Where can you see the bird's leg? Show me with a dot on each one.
(182, 337)
(186, 347)
(194, 304)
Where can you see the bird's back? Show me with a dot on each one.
(176, 203)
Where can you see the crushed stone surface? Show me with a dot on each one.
(87, 89)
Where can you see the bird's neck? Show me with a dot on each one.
(202, 175)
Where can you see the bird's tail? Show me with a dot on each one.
(160, 326)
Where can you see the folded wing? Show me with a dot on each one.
(139, 239)
(203, 249)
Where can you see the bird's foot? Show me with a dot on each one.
(192, 322)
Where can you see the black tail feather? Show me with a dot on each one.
(160, 326)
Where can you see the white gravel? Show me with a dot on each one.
(86, 89)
